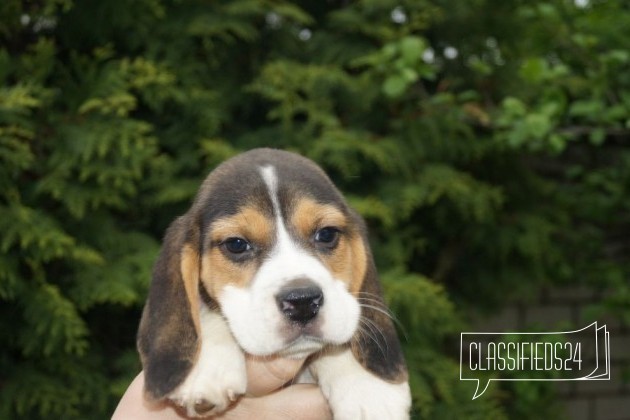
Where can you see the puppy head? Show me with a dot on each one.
(274, 245)
(284, 258)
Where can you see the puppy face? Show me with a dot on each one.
(284, 260)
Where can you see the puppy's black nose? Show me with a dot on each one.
(300, 301)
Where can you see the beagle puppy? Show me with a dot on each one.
(270, 260)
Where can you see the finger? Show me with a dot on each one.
(267, 374)
(304, 401)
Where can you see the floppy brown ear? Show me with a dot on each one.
(168, 337)
(376, 345)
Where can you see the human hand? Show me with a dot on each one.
(264, 398)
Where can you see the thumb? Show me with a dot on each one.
(266, 374)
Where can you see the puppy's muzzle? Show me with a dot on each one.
(300, 301)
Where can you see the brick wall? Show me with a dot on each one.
(563, 309)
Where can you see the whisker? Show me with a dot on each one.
(369, 294)
(376, 308)
(364, 336)
(385, 310)
(373, 298)
(376, 301)
(377, 304)
(369, 332)
(366, 322)
(374, 327)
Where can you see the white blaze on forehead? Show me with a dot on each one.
(271, 180)
(283, 240)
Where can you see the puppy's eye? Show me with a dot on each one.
(328, 236)
(237, 245)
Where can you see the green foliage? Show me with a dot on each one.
(483, 141)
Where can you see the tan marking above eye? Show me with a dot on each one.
(217, 270)
(309, 215)
(249, 223)
(348, 261)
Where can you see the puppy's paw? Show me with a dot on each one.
(368, 398)
(219, 377)
(356, 394)
(217, 380)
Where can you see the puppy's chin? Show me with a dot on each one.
(294, 343)
(302, 347)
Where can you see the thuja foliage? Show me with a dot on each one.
(483, 141)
